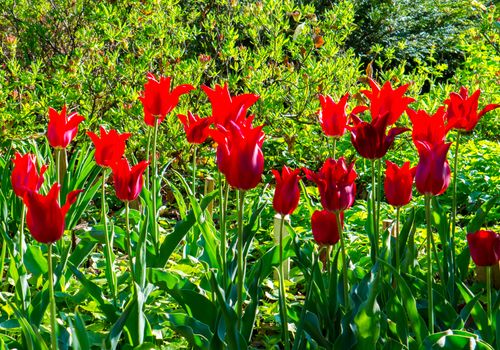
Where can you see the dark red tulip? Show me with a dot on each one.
(484, 247)
(333, 116)
(239, 153)
(433, 171)
(110, 147)
(158, 100)
(45, 217)
(386, 106)
(325, 228)
(226, 107)
(196, 128)
(398, 183)
(25, 176)
(128, 181)
(287, 193)
(335, 181)
(62, 128)
(462, 109)
(429, 128)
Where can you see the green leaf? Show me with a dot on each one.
(454, 340)
(35, 261)
(196, 333)
(478, 219)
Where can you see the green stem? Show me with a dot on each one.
(222, 220)
(334, 146)
(241, 201)
(194, 171)
(52, 301)
(454, 212)
(397, 240)
(379, 195)
(488, 295)
(109, 249)
(430, 306)
(129, 242)
(2, 260)
(374, 215)
(21, 235)
(284, 314)
(344, 259)
(148, 155)
(154, 191)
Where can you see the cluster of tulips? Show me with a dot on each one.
(240, 160)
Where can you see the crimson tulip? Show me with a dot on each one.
(62, 128)
(462, 109)
(429, 128)
(398, 183)
(110, 147)
(484, 247)
(335, 181)
(239, 153)
(128, 181)
(325, 228)
(432, 175)
(158, 99)
(24, 176)
(224, 106)
(287, 193)
(196, 128)
(45, 217)
(333, 116)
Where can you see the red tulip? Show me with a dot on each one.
(429, 128)
(109, 148)
(239, 153)
(484, 247)
(398, 183)
(196, 128)
(24, 175)
(335, 181)
(224, 106)
(325, 228)
(62, 129)
(158, 100)
(45, 217)
(287, 193)
(387, 101)
(433, 171)
(332, 116)
(128, 181)
(462, 109)
(386, 106)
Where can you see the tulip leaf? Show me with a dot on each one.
(34, 260)
(196, 333)
(481, 214)
(480, 318)
(78, 333)
(454, 339)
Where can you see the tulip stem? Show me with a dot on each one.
(397, 239)
(430, 304)
(129, 242)
(148, 155)
(2, 260)
(374, 215)
(194, 171)
(379, 196)
(21, 234)
(241, 201)
(344, 259)
(454, 213)
(284, 314)
(154, 191)
(52, 301)
(222, 221)
(488, 295)
(334, 146)
(109, 248)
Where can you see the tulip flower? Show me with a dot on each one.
(62, 128)
(325, 228)
(332, 116)
(335, 181)
(462, 109)
(432, 175)
(45, 217)
(128, 181)
(109, 148)
(398, 183)
(196, 128)
(429, 128)
(287, 193)
(239, 153)
(224, 106)
(484, 247)
(158, 99)
(25, 176)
